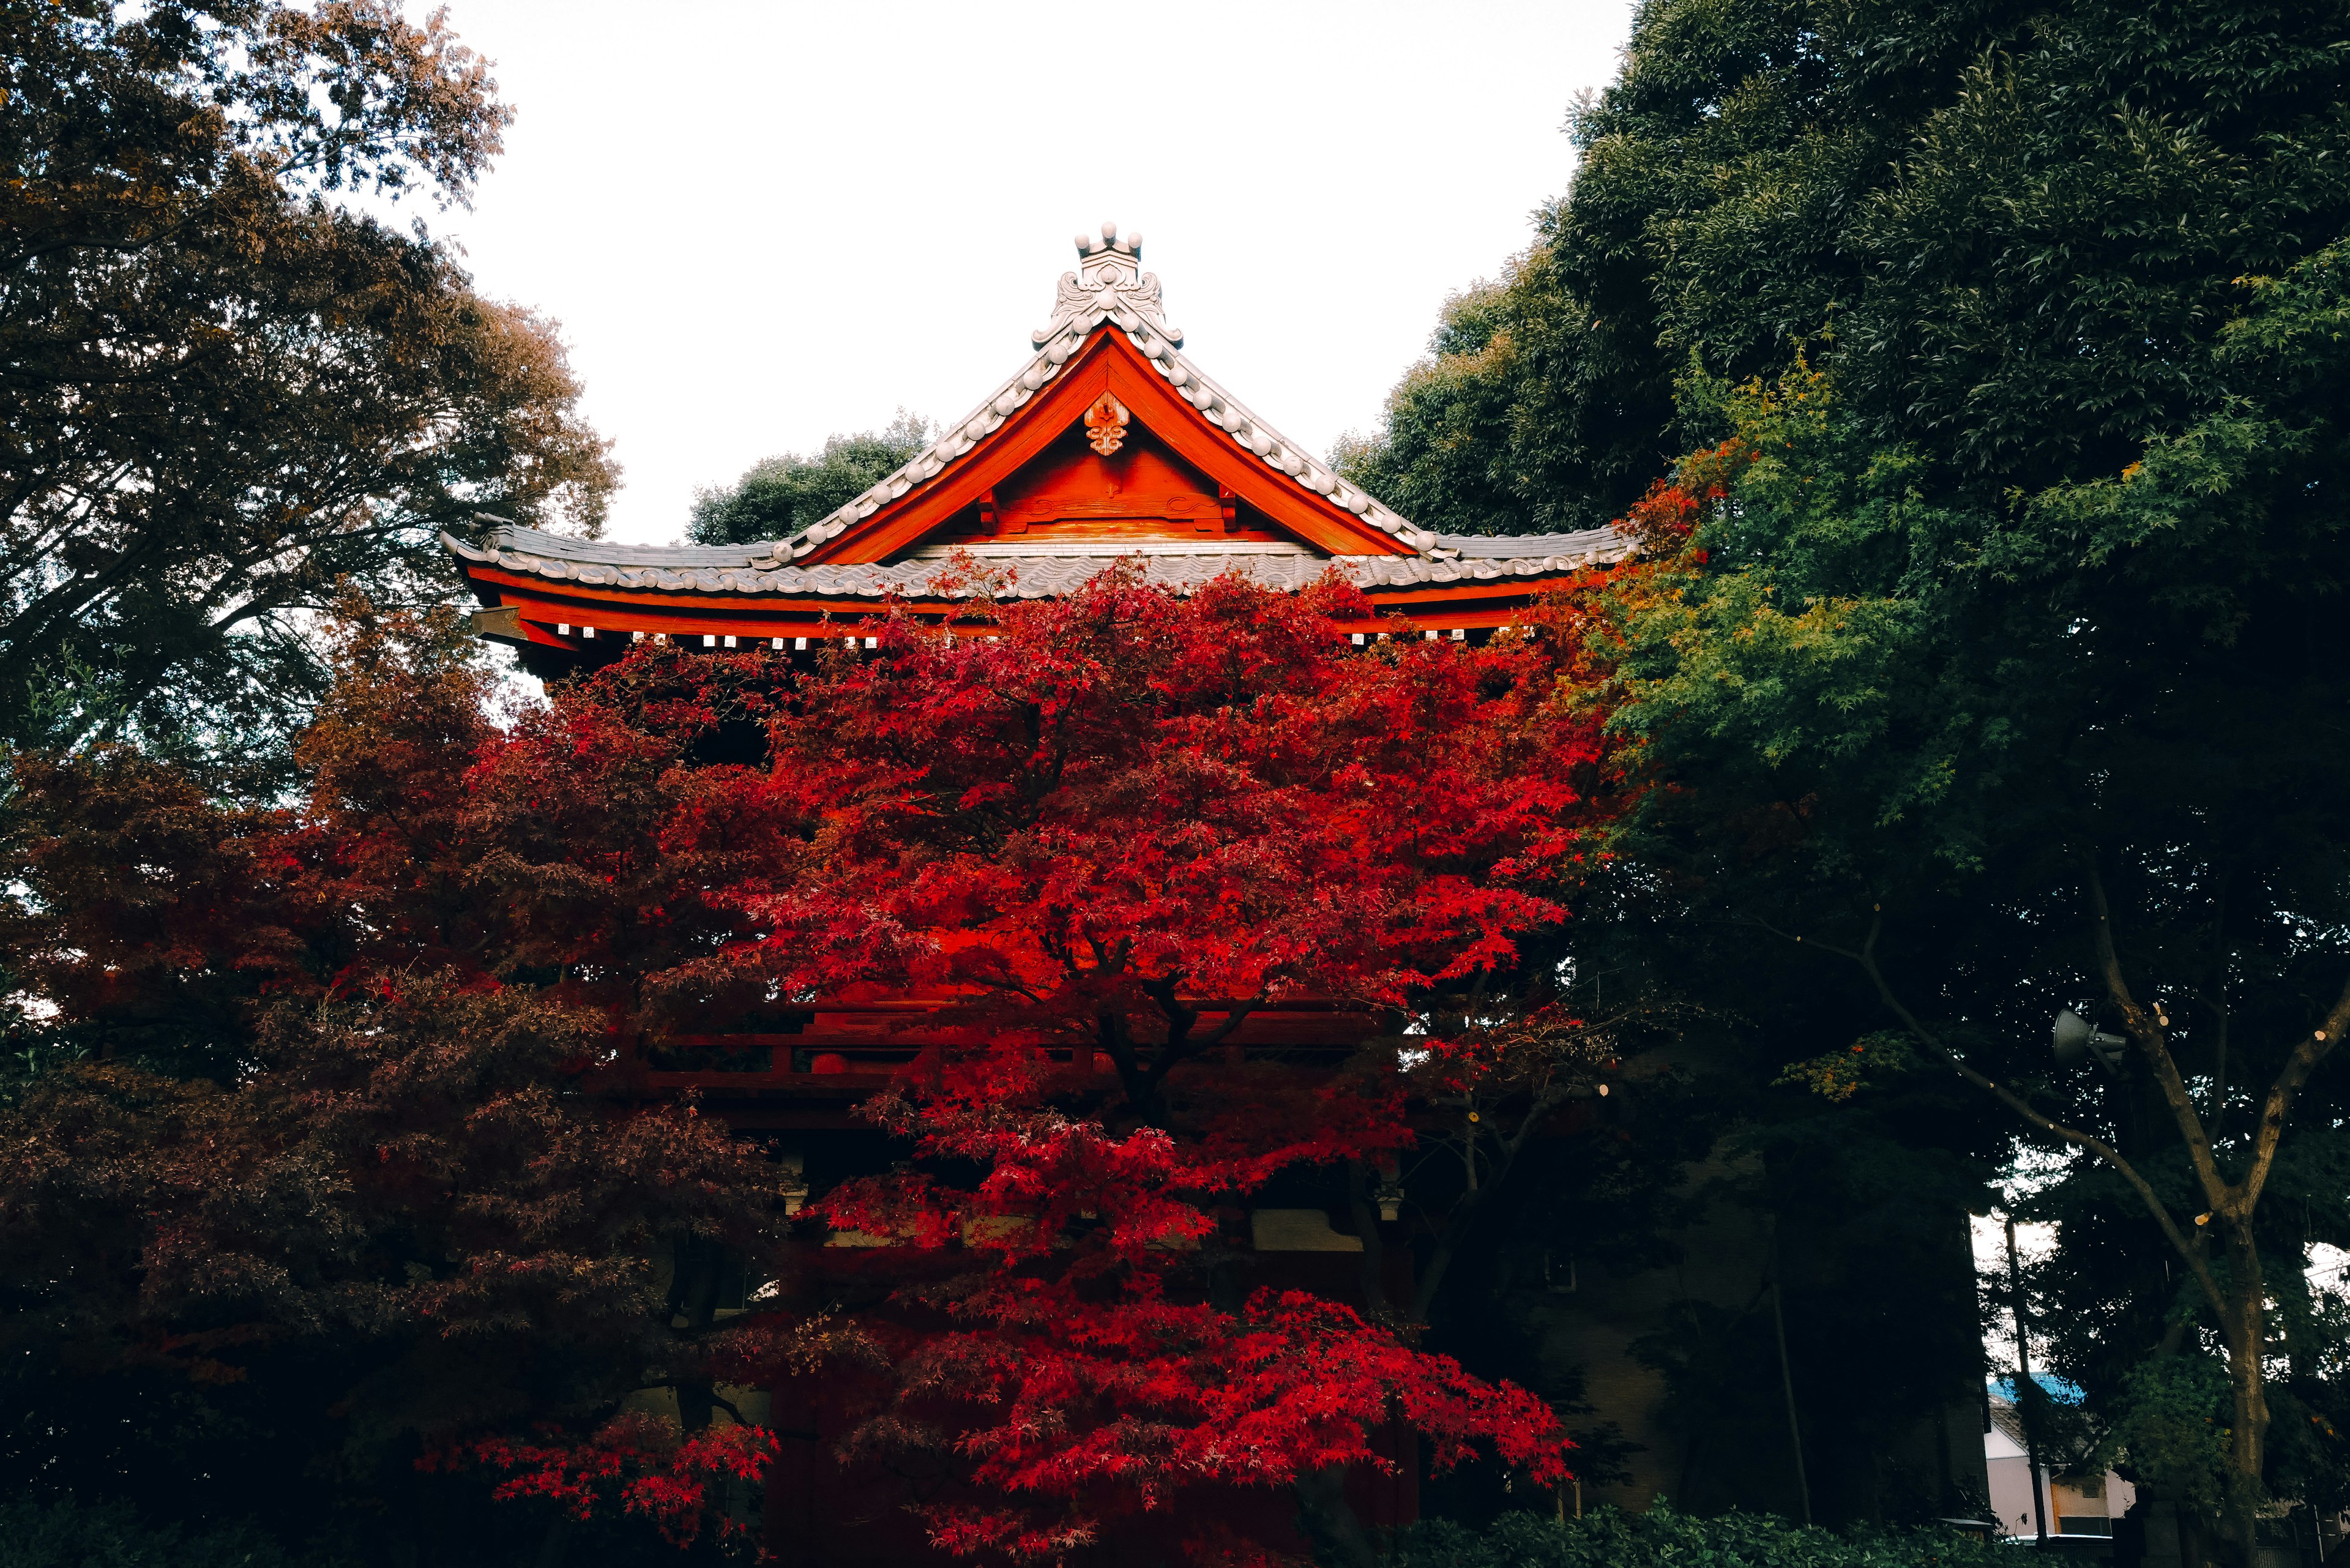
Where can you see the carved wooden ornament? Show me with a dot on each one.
(1106, 422)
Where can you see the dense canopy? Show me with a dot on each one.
(360, 1080)
(224, 388)
(2017, 229)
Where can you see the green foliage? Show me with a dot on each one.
(227, 392)
(1608, 1537)
(1900, 715)
(1450, 454)
(2016, 229)
(1805, 663)
(113, 1535)
(2009, 341)
(778, 496)
(2169, 1425)
(27, 1056)
(1840, 1075)
(1901, 676)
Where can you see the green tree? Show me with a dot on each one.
(2014, 226)
(222, 390)
(1995, 667)
(1982, 762)
(779, 495)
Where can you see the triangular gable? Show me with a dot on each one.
(1107, 364)
(1108, 336)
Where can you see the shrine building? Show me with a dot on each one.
(1107, 444)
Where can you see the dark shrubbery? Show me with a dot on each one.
(63, 1535)
(1609, 1538)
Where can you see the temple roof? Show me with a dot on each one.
(1109, 444)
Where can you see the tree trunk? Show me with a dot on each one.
(2238, 1304)
(1787, 1378)
(697, 1270)
(556, 1544)
(2246, 1336)
(1330, 1523)
(2027, 1394)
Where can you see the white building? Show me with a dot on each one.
(2076, 1505)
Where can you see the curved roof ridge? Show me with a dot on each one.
(1514, 547)
(572, 547)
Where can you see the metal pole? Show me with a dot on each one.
(1787, 1378)
(2024, 1376)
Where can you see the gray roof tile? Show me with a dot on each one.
(674, 568)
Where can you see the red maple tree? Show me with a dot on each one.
(1097, 834)
(326, 1142)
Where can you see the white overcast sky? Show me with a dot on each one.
(762, 224)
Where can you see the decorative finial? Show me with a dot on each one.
(1108, 285)
(1109, 243)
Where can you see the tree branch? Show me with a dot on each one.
(1463, 1218)
(1232, 1021)
(1867, 959)
(2297, 1068)
(2148, 1029)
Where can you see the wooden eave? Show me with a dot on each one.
(540, 608)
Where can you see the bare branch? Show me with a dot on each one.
(2297, 1068)
(2147, 1028)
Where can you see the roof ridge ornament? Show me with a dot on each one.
(1109, 284)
